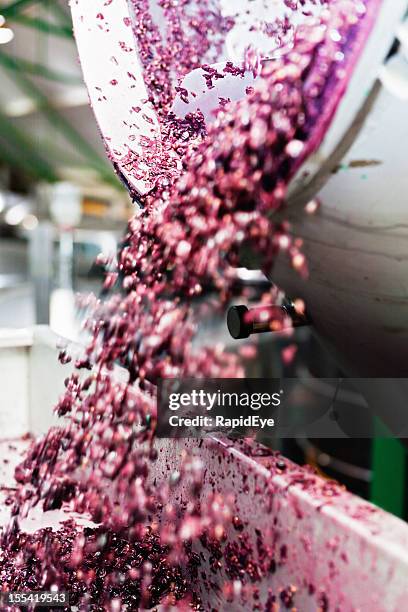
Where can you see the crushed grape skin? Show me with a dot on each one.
(96, 566)
(218, 191)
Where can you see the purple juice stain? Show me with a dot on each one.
(217, 189)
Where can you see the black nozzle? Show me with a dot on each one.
(236, 324)
(242, 325)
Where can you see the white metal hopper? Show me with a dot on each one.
(309, 538)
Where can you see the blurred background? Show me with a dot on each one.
(60, 201)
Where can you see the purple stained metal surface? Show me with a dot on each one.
(296, 541)
(12, 452)
(305, 541)
(113, 75)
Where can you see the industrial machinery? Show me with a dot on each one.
(357, 243)
(330, 548)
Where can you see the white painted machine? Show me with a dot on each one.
(330, 548)
(357, 244)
